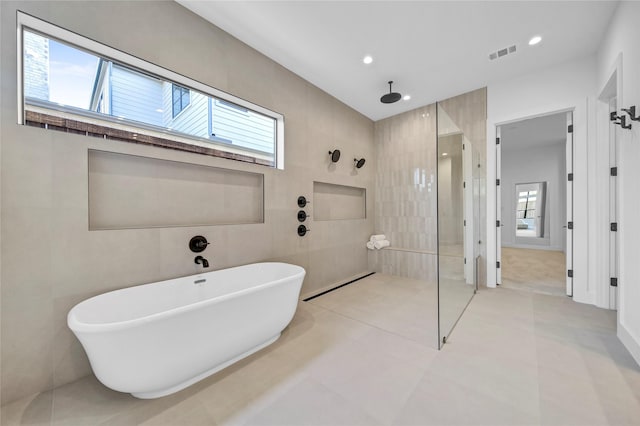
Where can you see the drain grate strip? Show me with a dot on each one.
(335, 288)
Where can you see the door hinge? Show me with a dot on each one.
(570, 273)
(497, 182)
(570, 128)
(464, 222)
(463, 147)
(498, 264)
(570, 177)
(614, 282)
(465, 260)
(497, 223)
(464, 184)
(614, 171)
(570, 225)
(613, 226)
(497, 141)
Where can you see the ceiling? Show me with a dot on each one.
(431, 49)
(535, 132)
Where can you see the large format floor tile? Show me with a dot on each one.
(514, 358)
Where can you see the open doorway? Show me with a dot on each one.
(534, 230)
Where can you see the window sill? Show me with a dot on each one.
(38, 119)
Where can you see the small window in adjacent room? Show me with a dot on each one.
(73, 84)
(180, 99)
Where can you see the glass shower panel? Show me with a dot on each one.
(458, 221)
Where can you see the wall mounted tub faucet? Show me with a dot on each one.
(201, 260)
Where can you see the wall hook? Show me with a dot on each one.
(613, 116)
(632, 113)
(623, 122)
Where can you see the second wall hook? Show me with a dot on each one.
(632, 113)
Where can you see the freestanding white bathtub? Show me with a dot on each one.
(156, 339)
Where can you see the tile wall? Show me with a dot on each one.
(405, 194)
(50, 258)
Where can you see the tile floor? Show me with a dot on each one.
(406, 307)
(515, 358)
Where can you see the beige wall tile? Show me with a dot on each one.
(49, 253)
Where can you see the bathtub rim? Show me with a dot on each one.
(96, 328)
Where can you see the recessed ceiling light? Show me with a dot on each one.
(367, 59)
(535, 40)
(444, 154)
(407, 97)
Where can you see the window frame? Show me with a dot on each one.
(46, 29)
(182, 90)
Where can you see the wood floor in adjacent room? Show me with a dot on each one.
(541, 271)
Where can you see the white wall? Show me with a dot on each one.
(621, 41)
(534, 164)
(569, 86)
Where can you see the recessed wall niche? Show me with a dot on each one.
(336, 202)
(129, 191)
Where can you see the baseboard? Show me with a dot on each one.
(632, 345)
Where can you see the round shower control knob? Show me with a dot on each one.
(302, 201)
(302, 216)
(198, 244)
(302, 230)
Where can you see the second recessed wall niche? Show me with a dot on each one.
(337, 202)
(128, 191)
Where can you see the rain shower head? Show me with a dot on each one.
(390, 97)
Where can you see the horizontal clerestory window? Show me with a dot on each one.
(70, 83)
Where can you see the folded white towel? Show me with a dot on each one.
(378, 237)
(381, 244)
(370, 245)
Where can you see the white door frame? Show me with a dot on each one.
(498, 205)
(499, 222)
(569, 219)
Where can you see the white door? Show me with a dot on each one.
(569, 228)
(613, 210)
(499, 223)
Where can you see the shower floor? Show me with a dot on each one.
(403, 306)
